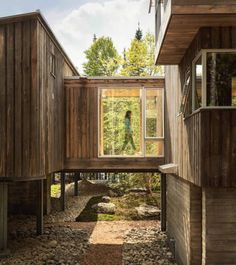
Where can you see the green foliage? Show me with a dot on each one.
(139, 59)
(114, 109)
(55, 190)
(137, 180)
(125, 207)
(102, 58)
(151, 69)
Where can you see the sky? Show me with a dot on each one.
(74, 22)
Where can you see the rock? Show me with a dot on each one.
(102, 207)
(111, 193)
(106, 199)
(52, 244)
(137, 190)
(148, 211)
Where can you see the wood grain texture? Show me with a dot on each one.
(184, 19)
(202, 145)
(32, 101)
(82, 127)
(184, 220)
(219, 220)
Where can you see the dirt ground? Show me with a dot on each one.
(106, 240)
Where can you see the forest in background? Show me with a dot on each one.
(103, 59)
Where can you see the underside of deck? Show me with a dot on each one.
(181, 21)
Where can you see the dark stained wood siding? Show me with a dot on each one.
(31, 100)
(218, 147)
(184, 219)
(198, 142)
(219, 226)
(20, 107)
(82, 126)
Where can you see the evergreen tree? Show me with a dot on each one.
(140, 58)
(139, 33)
(102, 58)
(135, 59)
(94, 37)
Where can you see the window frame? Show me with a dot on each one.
(204, 53)
(53, 65)
(143, 116)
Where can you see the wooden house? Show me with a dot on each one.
(52, 120)
(196, 40)
(32, 69)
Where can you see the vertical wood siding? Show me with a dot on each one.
(31, 101)
(82, 127)
(19, 105)
(202, 145)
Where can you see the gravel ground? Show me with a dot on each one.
(146, 246)
(66, 242)
(58, 245)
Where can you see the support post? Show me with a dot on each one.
(3, 218)
(63, 190)
(163, 202)
(47, 194)
(76, 178)
(40, 207)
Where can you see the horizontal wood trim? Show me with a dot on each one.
(168, 169)
(113, 164)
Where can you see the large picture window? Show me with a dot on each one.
(214, 79)
(131, 122)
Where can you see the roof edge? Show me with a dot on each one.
(38, 15)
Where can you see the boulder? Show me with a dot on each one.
(138, 190)
(106, 199)
(111, 193)
(102, 207)
(148, 211)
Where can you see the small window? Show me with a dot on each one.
(53, 65)
(214, 79)
(221, 79)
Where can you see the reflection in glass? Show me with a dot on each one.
(221, 72)
(154, 148)
(120, 134)
(154, 113)
(198, 83)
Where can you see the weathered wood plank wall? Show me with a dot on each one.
(82, 126)
(184, 219)
(31, 100)
(186, 139)
(219, 226)
(20, 107)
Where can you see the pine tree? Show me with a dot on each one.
(139, 33)
(94, 37)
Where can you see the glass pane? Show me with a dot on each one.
(120, 121)
(154, 112)
(221, 74)
(198, 83)
(154, 148)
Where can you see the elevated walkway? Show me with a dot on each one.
(95, 115)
